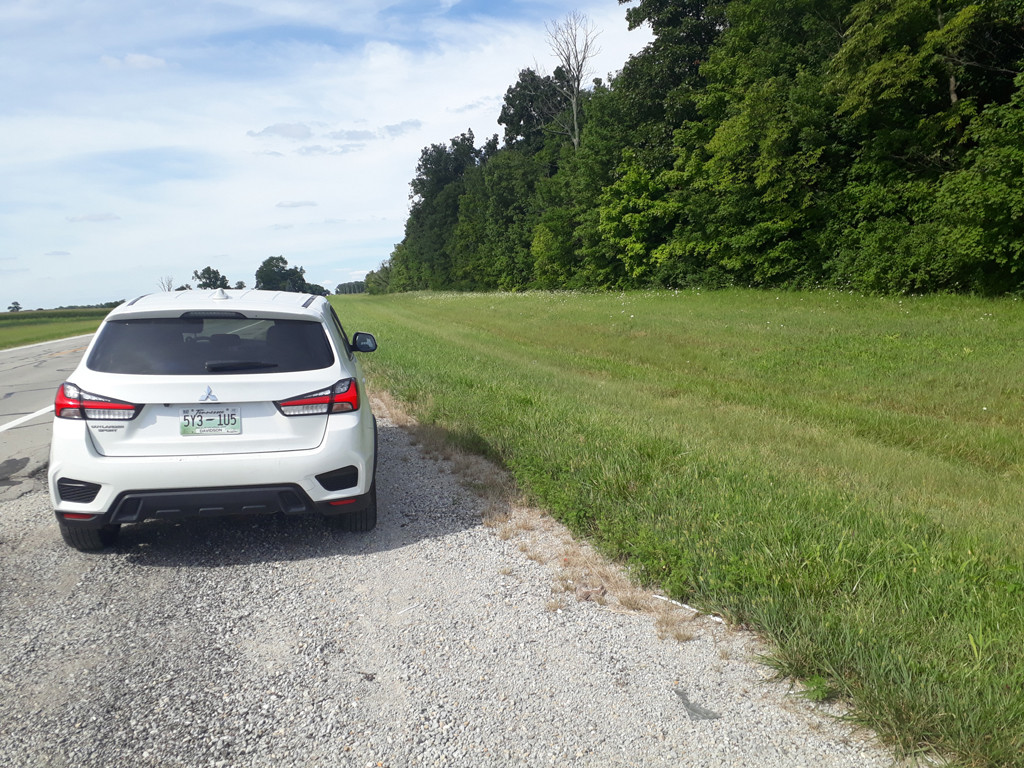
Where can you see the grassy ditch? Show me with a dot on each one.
(842, 473)
(32, 327)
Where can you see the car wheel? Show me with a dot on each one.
(89, 539)
(362, 521)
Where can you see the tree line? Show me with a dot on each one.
(273, 274)
(876, 145)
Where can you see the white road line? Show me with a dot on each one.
(24, 419)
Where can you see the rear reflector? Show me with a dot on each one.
(76, 516)
(341, 502)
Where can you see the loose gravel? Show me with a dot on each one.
(434, 640)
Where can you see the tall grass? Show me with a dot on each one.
(30, 327)
(841, 472)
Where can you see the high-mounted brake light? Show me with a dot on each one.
(73, 403)
(343, 397)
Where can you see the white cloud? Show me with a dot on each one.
(297, 131)
(402, 128)
(133, 61)
(93, 218)
(353, 135)
(297, 204)
(192, 154)
(319, 149)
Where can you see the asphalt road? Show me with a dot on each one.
(29, 377)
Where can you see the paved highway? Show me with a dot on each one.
(29, 377)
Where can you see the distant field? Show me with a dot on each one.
(843, 473)
(31, 327)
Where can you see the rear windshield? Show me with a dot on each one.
(200, 346)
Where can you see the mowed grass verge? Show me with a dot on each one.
(842, 473)
(31, 327)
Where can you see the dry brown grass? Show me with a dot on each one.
(486, 480)
(554, 604)
(383, 402)
(674, 625)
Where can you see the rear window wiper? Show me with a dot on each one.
(237, 365)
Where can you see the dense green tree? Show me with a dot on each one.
(356, 286)
(912, 77)
(440, 165)
(631, 141)
(767, 150)
(274, 274)
(611, 129)
(863, 143)
(209, 277)
(529, 106)
(637, 219)
(14, 307)
(425, 259)
(982, 204)
(660, 83)
(378, 281)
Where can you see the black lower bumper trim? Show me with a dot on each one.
(136, 506)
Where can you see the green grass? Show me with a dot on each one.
(841, 472)
(31, 327)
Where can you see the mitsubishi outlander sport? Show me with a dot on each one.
(207, 403)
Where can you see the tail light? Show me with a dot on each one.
(341, 398)
(73, 403)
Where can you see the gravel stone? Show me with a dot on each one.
(430, 641)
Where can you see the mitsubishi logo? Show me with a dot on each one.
(208, 395)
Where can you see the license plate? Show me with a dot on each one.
(210, 421)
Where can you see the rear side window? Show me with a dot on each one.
(200, 346)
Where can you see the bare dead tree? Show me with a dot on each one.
(166, 283)
(573, 41)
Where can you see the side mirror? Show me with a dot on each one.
(364, 342)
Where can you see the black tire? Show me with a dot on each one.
(358, 522)
(89, 539)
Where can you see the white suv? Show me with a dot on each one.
(206, 403)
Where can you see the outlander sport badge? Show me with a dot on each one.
(208, 396)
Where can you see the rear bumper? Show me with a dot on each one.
(334, 478)
(289, 499)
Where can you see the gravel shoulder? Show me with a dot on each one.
(458, 633)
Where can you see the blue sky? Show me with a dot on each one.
(142, 140)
